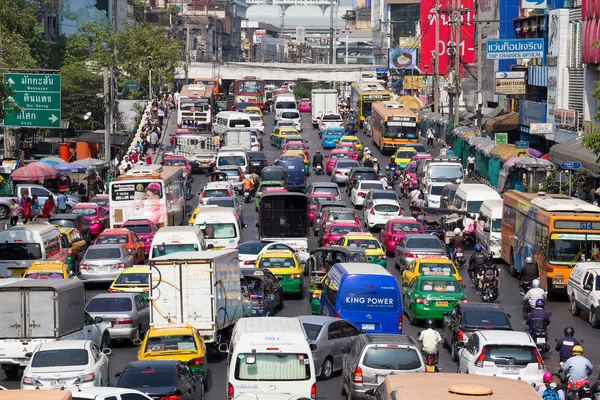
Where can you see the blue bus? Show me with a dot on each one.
(331, 137)
(365, 294)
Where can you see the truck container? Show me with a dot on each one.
(283, 218)
(324, 101)
(238, 138)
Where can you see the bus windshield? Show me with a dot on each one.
(250, 86)
(568, 248)
(366, 107)
(400, 130)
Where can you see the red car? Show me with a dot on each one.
(313, 202)
(296, 146)
(395, 229)
(337, 229)
(334, 155)
(144, 229)
(180, 131)
(94, 215)
(350, 148)
(129, 240)
(103, 201)
(304, 105)
(179, 161)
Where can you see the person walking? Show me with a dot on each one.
(430, 136)
(48, 207)
(154, 140)
(14, 212)
(61, 203)
(35, 207)
(27, 212)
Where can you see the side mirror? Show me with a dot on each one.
(107, 351)
(224, 348)
(556, 340)
(460, 345)
(313, 347)
(98, 320)
(137, 342)
(28, 355)
(508, 315)
(587, 287)
(345, 350)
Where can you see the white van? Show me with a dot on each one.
(176, 239)
(284, 102)
(21, 245)
(232, 157)
(470, 196)
(220, 228)
(293, 116)
(226, 120)
(488, 230)
(583, 290)
(433, 195)
(270, 355)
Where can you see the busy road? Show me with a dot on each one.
(510, 298)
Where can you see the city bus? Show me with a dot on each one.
(556, 230)
(362, 96)
(250, 89)
(194, 107)
(214, 82)
(152, 192)
(393, 125)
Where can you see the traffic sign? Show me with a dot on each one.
(521, 145)
(570, 165)
(37, 97)
(132, 85)
(381, 70)
(500, 138)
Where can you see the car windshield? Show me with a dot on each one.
(164, 249)
(139, 228)
(312, 330)
(405, 154)
(110, 304)
(60, 358)
(445, 172)
(20, 251)
(346, 164)
(316, 200)
(385, 195)
(367, 244)
(112, 239)
(219, 231)
(401, 227)
(276, 262)
(231, 160)
(434, 268)
(424, 243)
(392, 358)
(338, 156)
(325, 189)
(86, 212)
(65, 223)
(227, 203)
(45, 275)
(511, 355)
(272, 367)
(439, 286)
(497, 225)
(132, 279)
(103, 253)
(251, 247)
(135, 378)
(371, 185)
(386, 208)
(485, 318)
(343, 229)
(436, 190)
(216, 193)
(176, 163)
(412, 168)
(171, 343)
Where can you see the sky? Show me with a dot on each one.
(306, 16)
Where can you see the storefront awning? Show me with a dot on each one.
(573, 150)
(503, 123)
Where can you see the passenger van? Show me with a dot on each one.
(284, 102)
(232, 157)
(489, 226)
(470, 196)
(176, 239)
(226, 120)
(21, 245)
(364, 294)
(294, 116)
(270, 355)
(220, 228)
(295, 172)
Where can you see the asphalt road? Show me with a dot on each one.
(509, 298)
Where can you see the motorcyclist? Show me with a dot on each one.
(368, 162)
(393, 165)
(430, 337)
(376, 166)
(565, 345)
(533, 295)
(456, 242)
(551, 382)
(389, 177)
(577, 368)
(528, 273)
(476, 262)
(248, 185)
(538, 312)
(317, 158)
(488, 270)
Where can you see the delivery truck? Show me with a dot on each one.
(201, 289)
(36, 311)
(324, 101)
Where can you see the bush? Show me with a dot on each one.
(301, 93)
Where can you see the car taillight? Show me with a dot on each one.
(411, 255)
(430, 359)
(400, 212)
(69, 252)
(172, 397)
(313, 391)
(337, 314)
(124, 321)
(265, 162)
(113, 291)
(358, 378)
(119, 266)
(339, 172)
(85, 378)
(400, 324)
(249, 262)
(84, 266)
(461, 335)
(196, 362)
(362, 194)
(540, 361)
(230, 391)
(422, 300)
(479, 361)
(372, 212)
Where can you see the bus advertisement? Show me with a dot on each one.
(556, 230)
(194, 107)
(251, 90)
(393, 125)
(362, 97)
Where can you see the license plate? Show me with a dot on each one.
(430, 368)
(540, 340)
(441, 303)
(459, 254)
(58, 383)
(380, 379)
(511, 371)
(429, 255)
(101, 269)
(18, 272)
(368, 327)
(558, 286)
(558, 281)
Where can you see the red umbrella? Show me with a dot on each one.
(546, 157)
(36, 171)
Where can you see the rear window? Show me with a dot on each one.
(110, 304)
(86, 212)
(432, 243)
(132, 279)
(412, 169)
(405, 154)
(485, 318)
(346, 164)
(276, 262)
(330, 118)
(367, 244)
(394, 358)
(60, 358)
(251, 247)
(216, 193)
(436, 190)
(215, 201)
(343, 229)
(139, 228)
(402, 227)
(364, 175)
(367, 299)
(386, 195)
(137, 378)
(511, 355)
(272, 367)
(343, 216)
(371, 185)
(65, 223)
(337, 156)
(439, 286)
(332, 190)
(232, 160)
(436, 268)
(285, 105)
(255, 118)
(386, 208)
(171, 343)
(317, 200)
(231, 173)
(104, 253)
(312, 330)
(113, 239)
(272, 175)
(290, 115)
(239, 123)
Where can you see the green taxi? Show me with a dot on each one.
(430, 296)
(261, 188)
(403, 156)
(281, 132)
(285, 266)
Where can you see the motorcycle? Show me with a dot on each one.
(458, 258)
(389, 177)
(431, 361)
(247, 196)
(489, 291)
(406, 187)
(539, 334)
(318, 169)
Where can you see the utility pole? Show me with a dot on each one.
(458, 27)
(331, 38)
(436, 60)
(452, 57)
(479, 67)
(107, 74)
(187, 52)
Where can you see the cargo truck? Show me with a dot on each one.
(324, 101)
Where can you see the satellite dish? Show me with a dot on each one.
(87, 115)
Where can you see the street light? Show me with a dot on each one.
(88, 115)
(149, 58)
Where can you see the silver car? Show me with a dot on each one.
(104, 262)
(416, 246)
(229, 202)
(128, 312)
(331, 336)
(235, 176)
(339, 172)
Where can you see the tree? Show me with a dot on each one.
(80, 84)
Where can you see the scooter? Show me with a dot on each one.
(431, 361)
(319, 169)
(247, 196)
(489, 291)
(539, 334)
(458, 258)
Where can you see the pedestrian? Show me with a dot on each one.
(27, 212)
(145, 146)
(430, 136)
(148, 159)
(48, 207)
(450, 152)
(217, 141)
(61, 203)
(98, 185)
(35, 207)
(443, 151)
(154, 140)
(82, 192)
(14, 212)
(24, 195)
(161, 115)
(176, 98)
(471, 165)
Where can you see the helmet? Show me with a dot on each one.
(366, 149)
(429, 323)
(318, 151)
(585, 392)
(577, 350)
(247, 176)
(540, 303)
(569, 331)
(375, 159)
(535, 283)
(478, 247)
(529, 260)
(547, 378)
(457, 231)
(387, 167)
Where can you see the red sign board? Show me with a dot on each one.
(261, 31)
(467, 34)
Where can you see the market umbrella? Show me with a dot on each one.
(36, 171)
(535, 153)
(545, 157)
(510, 162)
(71, 167)
(52, 160)
(92, 163)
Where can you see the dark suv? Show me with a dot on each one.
(360, 174)
(257, 161)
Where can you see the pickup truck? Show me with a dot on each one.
(42, 193)
(330, 120)
(38, 311)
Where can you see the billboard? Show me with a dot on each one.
(402, 58)
(427, 26)
(75, 13)
(515, 48)
(512, 82)
(534, 4)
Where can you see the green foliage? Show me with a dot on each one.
(591, 141)
(580, 181)
(79, 88)
(301, 93)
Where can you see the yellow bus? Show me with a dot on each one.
(362, 96)
(556, 230)
(151, 192)
(214, 82)
(393, 125)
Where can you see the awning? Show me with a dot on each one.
(411, 102)
(573, 150)
(493, 113)
(503, 123)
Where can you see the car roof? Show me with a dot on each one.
(506, 337)
(135, 269)
(105, 246)
(377, 338)
(325, 184)
(173, 329)
(255, 153)
(102, 392)
(114, 231)
(137, 222)
(86, 205)
(343, 222)
(221, 198)
(115, 295)
(153, 364)
(317, 319)
(217, 185)
(437, 260)
(481, 306)
(64, 344)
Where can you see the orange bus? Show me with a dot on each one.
(556, 230)
(393, 125)
(214, 82)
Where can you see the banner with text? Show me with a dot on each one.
(515, 48)
(512, 82)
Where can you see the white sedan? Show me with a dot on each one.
(249, 251)
(108, 393)
(359, 192)
(380, 212)
(66, 364)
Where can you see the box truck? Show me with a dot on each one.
(324, 101)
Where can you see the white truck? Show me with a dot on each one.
(199, 150)
(201, 289)
(37, 311)
(241, 138)
(324, 101)
(195, 107)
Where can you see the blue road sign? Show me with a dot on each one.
(522, 145)
(570, 165)
(381, 70)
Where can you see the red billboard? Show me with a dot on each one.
(467, 34)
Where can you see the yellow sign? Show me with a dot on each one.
(413, 82)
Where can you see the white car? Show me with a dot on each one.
(380, 212)
(328, 120)
(507, 354)
(433, 196)
(249, 252)
(66, 364)
(256, 122)
(359, 192)
(107, 393)
(294, 116)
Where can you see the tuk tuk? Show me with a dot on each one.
(296, 174)
(449, 219)
(321, 259)
(261, 291)
(273, 173)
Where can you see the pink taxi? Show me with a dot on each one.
(313, 203)
(337, 229)
(94, 215)
(102, 200)
(144, 229)
(296, 145)
(411, 170)
(395, 229)
(350, 148)
(334, 155)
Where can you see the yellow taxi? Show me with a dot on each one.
(431, 267)
(253, 110)
(367, 242)
(47, 270)
(403, 156)
(76, 246)
(174, 342)
(132, 280)
(281, 132)
(285, 266)
(356, 141)
(198, 210)
(302, 154)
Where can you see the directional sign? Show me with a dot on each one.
(37, 96)
(132, 85)
(570, 165)
(500, 138)
(381, 70)
(521, 145)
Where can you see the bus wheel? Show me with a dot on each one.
(513, 271)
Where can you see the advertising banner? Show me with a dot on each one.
(402, 58)
(541, 129)
(515, 48)
(510, 82)
(76, 13)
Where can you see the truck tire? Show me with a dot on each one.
(594, 321)
(4, 212)
(12, 373)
